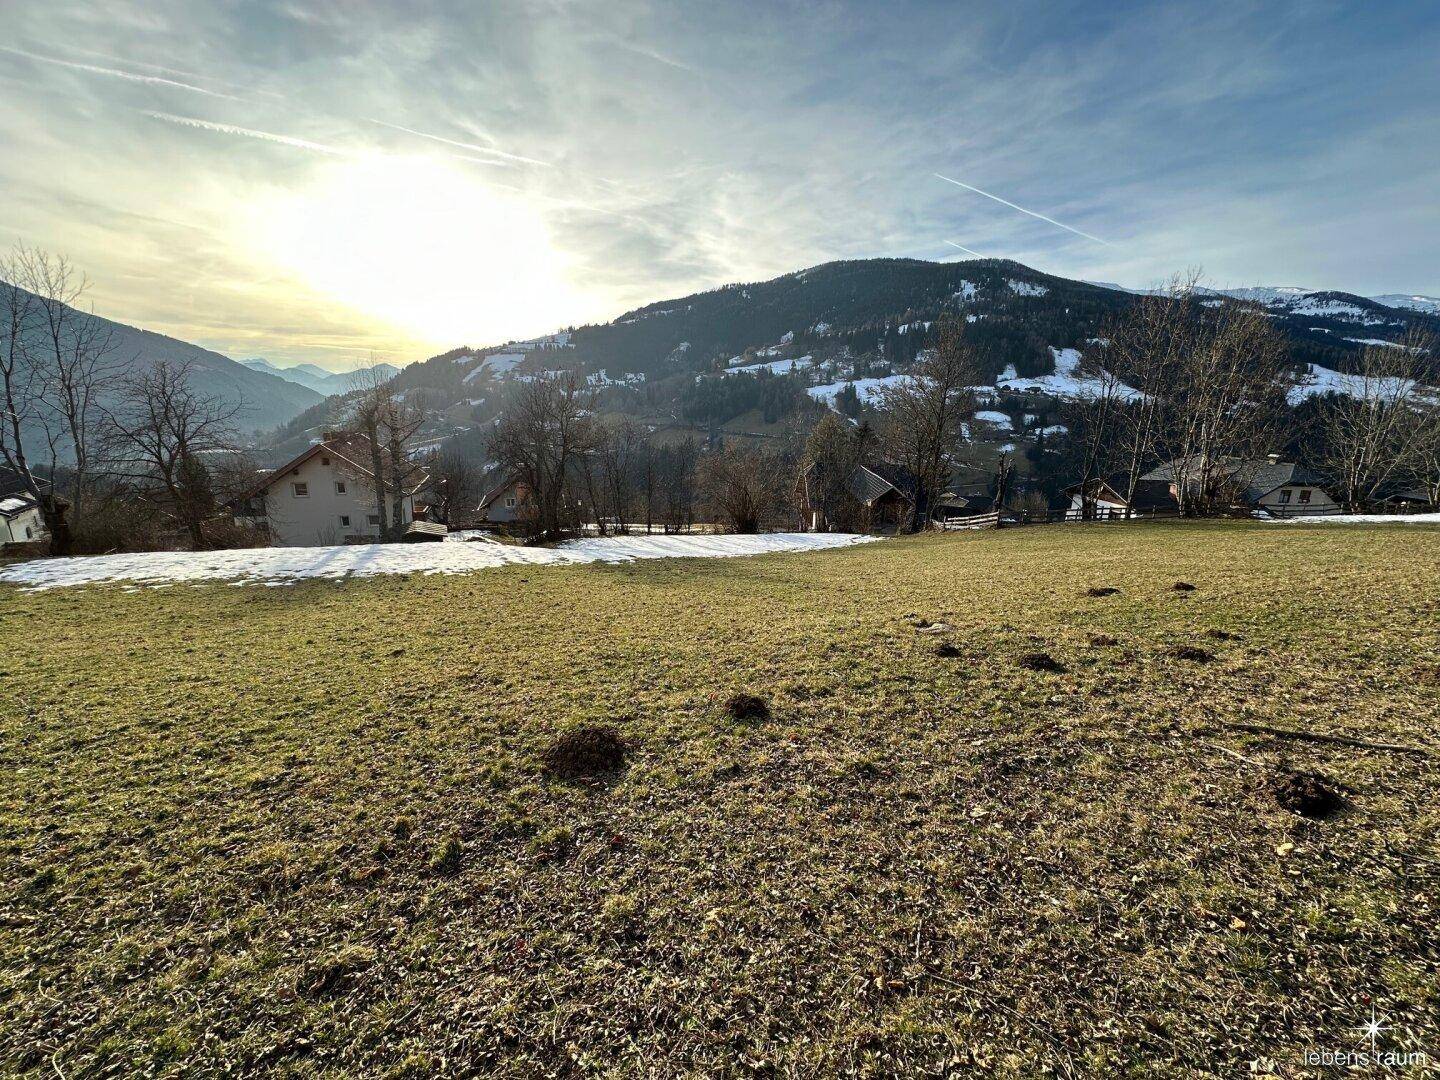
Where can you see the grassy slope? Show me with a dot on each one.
(223, 807)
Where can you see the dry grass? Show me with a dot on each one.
(262, 830)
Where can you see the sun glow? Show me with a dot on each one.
(421, 244)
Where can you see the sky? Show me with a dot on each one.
(332, 182)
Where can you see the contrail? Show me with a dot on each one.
(963, 248)
(1013, 206)
(249, 133)
(462, 145)
(130, 76)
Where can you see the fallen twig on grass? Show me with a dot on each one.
(1320, 736)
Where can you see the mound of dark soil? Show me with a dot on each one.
(1223, 635)
(1308, 794)
(1191, 653)
(1039, 661)
(588, 750)
(1102, 641)
(946, 649)
(1101, 590)
(747, 707)
(1183, 586)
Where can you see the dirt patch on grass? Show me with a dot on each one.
(1101, 590)
(747, 707)
(945, 649)
(1192, 653)
(585, 751)
(1040, 661)
(1308, 794)
(1103, 641)
(1183, 586)
(1223, 635)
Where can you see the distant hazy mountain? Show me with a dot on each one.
(265, 399)
(316, 378)
(1428, 304)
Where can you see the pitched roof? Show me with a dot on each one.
(498, 490)
(870, 483)
(1260, 476)
(350, 447)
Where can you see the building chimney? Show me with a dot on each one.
(330, 436)
(1273, 459)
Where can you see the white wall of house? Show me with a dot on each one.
(321, 502)
(1299, 499)
(24, 527)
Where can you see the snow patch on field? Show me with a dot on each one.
(282, 566)
(1321, 380)
(1025, 288)
(1067, 382)
(1357, 519)
(776, 367)
(995, 418)
(867, 389)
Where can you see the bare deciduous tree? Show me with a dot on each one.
(1379, 432)
(454, 485)
(159, 436)
(743, 484)
(365, 411)
(922, 416)
(56, 362)
(546, 427)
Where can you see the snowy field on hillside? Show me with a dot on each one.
(281, 566)
(1357, 519)
(1067, 382)
(1321, 380)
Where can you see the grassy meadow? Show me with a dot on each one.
(308, 830)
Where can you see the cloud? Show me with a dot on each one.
(249, 133)
(463, 145)
(1195, 138)
(115, 73)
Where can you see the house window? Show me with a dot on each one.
(510, 502)
(339, 487)
(374, 519)
(324, 461)
(1285, 495)
(29, 533)
(345, 520)
(301, 489)
(1305, 495)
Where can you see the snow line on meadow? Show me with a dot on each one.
(282, 566)
(1356, 519)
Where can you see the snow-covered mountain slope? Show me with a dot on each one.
(1414, 302)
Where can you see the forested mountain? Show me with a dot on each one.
(747, 357)
(265, 400)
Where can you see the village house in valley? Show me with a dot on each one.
(20, 519)
(1281, 488)
(505, 503)
(326, 495)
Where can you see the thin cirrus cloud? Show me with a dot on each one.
(116, 73)
(249, 133)
(462, 145)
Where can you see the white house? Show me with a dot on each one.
(325, 496)
(20, 520)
